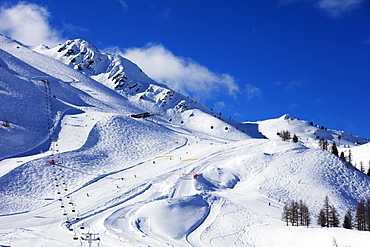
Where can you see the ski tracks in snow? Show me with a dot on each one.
(195, 237)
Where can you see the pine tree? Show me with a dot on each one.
(327, 210)
(342, 156)
(334, 149)
(328, 216)
(368, 172)
(362, 168)
(349, 156)
(295, 138)
(339, 138)
(333, 217)
(348, 220)
(322, 220)
(360, 216)
(367, 214)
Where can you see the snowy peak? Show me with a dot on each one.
(83, 56)
(287, 117)
(112, 70)
(127, 79)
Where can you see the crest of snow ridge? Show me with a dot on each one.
(117, 72)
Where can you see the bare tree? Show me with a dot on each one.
(328, 216)
(296, 213)
(285, 135)
(285, 216)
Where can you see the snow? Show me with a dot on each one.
(169, 180)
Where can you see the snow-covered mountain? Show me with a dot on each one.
(74, 162)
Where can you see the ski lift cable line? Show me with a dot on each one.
(59, 178)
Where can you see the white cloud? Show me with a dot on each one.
(28, 23)
(293, 85)
(252, 91)
(219, 106)
(180, 73)
(286, 2)
(124, 5)
(336, 7)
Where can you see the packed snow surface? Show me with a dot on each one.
(73, 162)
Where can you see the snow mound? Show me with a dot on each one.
(218, 177)
(174, 218)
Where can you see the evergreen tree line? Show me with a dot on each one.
(297, 213)
(323, 144)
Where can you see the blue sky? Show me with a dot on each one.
(249, 59)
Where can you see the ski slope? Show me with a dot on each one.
(86, 167)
